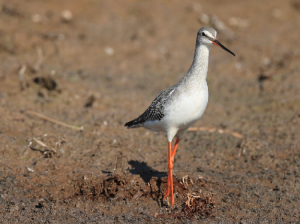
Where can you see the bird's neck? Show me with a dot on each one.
(199, 66)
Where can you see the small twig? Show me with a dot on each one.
(40, 142)
(29, 169)
(22, 77)
(55, 121)
(221, 131)
(183, 181)
(47, 149)
(191, 198)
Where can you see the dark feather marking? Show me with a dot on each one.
(154, 112)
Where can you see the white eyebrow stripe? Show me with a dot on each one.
(209, 35)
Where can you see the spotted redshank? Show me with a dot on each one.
(177, 108)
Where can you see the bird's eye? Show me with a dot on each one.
(203, 34)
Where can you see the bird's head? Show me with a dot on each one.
(207, 36)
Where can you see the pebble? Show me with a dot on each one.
(66, 16)
(109, 51)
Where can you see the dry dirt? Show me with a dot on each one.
(103, 67)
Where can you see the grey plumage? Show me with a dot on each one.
(155, 111)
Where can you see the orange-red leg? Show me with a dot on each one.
(174, 149)
(167, 193)
(171, 155)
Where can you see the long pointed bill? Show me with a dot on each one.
(215, 42)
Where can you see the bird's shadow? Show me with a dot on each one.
(146, 172)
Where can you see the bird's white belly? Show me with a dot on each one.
(182, 112)
(186, 110)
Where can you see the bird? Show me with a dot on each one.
(177, 108)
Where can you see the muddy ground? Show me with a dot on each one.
(101, 66)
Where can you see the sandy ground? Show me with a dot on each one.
(102, 67)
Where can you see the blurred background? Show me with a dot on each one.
(94, 65)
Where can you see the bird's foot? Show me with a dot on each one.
(167, 193)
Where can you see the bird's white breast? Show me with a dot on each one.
(187, 108)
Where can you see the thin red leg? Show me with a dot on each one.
(174, 149)
(172, 161)
(171, 156)
(167, 193)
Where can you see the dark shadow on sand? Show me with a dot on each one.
(145, 171)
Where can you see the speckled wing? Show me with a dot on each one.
(155, 111)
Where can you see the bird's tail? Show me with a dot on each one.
(136, 123)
